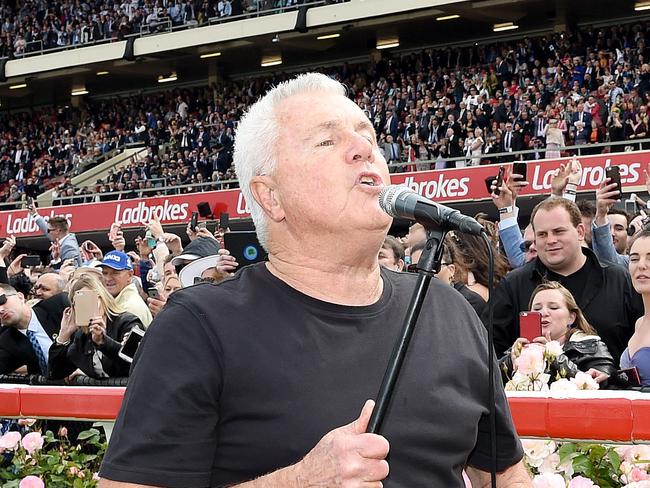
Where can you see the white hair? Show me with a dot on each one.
(258, 133)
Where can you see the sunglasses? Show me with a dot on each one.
(3, 297)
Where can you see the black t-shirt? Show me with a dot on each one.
(241, 378)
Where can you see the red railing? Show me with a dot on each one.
(596, 415)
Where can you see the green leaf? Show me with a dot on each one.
(567, 451)
(87, 434)
(78, 483)
(615, 459)
(582, 465)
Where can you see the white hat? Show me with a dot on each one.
(196, 268)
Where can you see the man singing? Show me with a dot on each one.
(258, 381)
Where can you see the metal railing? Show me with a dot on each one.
(145, 29)
(167, 190)
(579, 150)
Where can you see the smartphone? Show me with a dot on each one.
(151, 242)
(502, 172)
(631, 375)
(153, 293)
(129, 348)
(31, 260)
(112, 234)
(488, 183)
(86, 306)
(631, 207)
(530, 325)
(223, 220)
(519, 168)
(614, 174)
(194, 221)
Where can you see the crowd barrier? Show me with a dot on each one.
(616, 416)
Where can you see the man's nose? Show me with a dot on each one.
(361, 149)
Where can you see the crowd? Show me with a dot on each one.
(582, 268)
(539, 94)
(30, 26)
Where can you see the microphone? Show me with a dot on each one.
(401, 202)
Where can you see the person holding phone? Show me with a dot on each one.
(637, 353)
(57, 229)
(563, 321)
(92, 348)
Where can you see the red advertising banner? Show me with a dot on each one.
(445, 186)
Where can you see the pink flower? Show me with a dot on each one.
(549, 480)
(31, 482)
(32, 442)
(584, 381)
(553, 349)
(638, 474)
(531, 359)
(10, 441)
(582, 482)
(63, 432)
(26, 422)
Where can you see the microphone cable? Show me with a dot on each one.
(491, 397)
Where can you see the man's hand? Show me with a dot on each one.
(346, 457)
(173, 243)
(67, 268)
(68, 326)
(203, 232)
(55, 249)
(637, 222)
(191, 233)
(570, 172)
(7, 247)
(156, 305)
(155, 227)
(92, 250)
(15, 267)
(32, 210)
(509, 190)
(606, 197)
(226, 263)
(119, 243)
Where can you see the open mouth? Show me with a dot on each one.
(370, 179)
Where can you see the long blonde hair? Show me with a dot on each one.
(87, 280)
(580, 323)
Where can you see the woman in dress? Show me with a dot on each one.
(637, 353)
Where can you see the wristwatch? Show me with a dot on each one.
(506, 210)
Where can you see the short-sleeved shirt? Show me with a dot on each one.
(235, 380)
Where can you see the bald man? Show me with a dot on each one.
(48, 285)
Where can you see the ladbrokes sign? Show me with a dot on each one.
(446, 186)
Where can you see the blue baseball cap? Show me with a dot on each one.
(117, 260)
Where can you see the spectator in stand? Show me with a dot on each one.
(117, 272)
(391, 254)
(554, 139)
(604, 292)
(28, 332)
(64, 244)
(637, 352)
(49, 284)
(93, 349)
(447, 273)
(564, 322)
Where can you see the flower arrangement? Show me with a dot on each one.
(36, 460)
(583, 465)
(533, 365)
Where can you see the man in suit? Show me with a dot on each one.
(392, 153)
(64, 243)
(581, 116)
(28, 332)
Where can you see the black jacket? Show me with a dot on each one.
(79, 353)
(15, 349)
(608, 301)
(580, 354)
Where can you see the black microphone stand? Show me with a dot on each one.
(427, 266)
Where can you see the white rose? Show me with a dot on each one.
(584, 381)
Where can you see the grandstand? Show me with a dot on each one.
(172, 92)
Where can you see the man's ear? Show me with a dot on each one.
(267, 197)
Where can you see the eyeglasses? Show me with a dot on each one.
(525, 246)
(3, 297)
